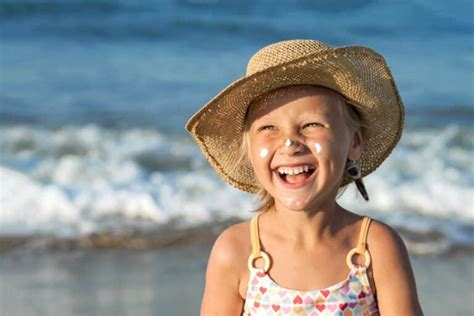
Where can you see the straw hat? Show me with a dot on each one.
(358, 73)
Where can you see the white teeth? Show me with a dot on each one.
(295, 170)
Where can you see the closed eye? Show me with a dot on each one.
(266, 128)
(313, 124)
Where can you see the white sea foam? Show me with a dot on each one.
(77, 180)
(80, 180)
(30, 207)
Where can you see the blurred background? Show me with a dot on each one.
(108, 207)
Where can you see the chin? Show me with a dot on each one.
(297, 210)
(295, 206)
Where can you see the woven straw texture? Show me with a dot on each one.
(358, 73)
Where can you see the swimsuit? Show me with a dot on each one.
(351, 296)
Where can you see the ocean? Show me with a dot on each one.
(94, 96)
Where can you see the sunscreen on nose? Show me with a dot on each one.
(318, 147)
(263, 153)
(288, 142)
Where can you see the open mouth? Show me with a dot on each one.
(296, 176)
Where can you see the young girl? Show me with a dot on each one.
(305, 121)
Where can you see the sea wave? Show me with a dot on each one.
(75, 181)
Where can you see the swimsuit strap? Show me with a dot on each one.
(360, 248)
(256, 252)
(254, 237)
(363, 235)
(361, 244)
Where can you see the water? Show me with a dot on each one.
(94, 96)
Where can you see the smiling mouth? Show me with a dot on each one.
(296, 177)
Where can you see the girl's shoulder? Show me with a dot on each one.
(393, 275)
(232, 247)
(381, 237)
(383, 241)
(390, 260)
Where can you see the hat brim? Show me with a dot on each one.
(358, 73)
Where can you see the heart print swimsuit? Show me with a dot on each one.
(349, 297)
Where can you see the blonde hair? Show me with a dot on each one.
(353, 120)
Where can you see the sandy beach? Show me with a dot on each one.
(169, 281)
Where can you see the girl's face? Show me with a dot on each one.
(299, 143)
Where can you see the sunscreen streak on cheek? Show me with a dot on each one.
(318, 148)
(263, 153)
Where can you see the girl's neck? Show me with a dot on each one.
(308, 228)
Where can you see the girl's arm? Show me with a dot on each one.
(393, 274)
(221, 292)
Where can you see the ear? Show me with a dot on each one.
(355, 149)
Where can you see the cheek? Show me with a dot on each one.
(318, 148)
(261, 156)
(260, 148)
(263, 152)
(327, 147)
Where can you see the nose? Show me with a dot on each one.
(288, 142)
(292, 146)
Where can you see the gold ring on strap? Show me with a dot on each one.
(352, 252)
(266, 260)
